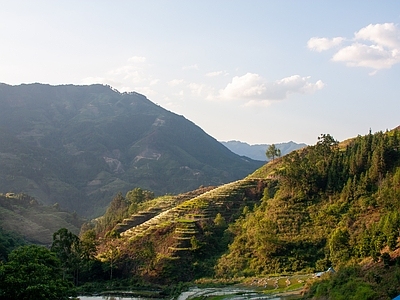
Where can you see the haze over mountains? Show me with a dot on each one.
(79, 145)
(257, 151)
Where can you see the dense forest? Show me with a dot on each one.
(328, 205)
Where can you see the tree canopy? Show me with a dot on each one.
(273, 152)
(34, 273)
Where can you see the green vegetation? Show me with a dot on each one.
(273, 152)
(181, 241)
(8, 242)
(328, 205)
(332, 204)
(33, 272)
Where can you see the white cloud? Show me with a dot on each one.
(252, 88)
(196, 88)
(247, 86)
(322, 44)
(137, 59)
(191, 67)
(374, 46)
(217, 73)
(145, 90)
(175, 82)
(372, 56)
(154, 81)
(386, 35)
(133, 76)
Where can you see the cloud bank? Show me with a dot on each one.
(376, 46)
(250, 88)
(255, 90)
(322, 44)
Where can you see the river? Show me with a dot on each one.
(231, 293)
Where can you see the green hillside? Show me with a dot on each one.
(328, 205)
(80, 145)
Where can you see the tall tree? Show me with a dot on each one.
(273, 152)
(66, 246)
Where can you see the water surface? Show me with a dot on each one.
(232, 293)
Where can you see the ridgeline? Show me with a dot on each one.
(78, 146)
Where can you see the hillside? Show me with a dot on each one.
(24, 217)
(257, 151)
(331, 204)
(80, 145)
(177, 232)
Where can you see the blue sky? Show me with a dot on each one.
(253, 71)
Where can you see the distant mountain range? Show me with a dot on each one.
(257, 151)
(80, 145)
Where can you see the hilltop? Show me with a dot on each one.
(79, 145)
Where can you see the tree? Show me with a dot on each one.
(33, 272)
(273, 152)
(66, 246)
(137, 196)
(88, 245)
(219, 220)
(338, 244)
(110, 254)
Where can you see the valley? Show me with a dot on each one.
(157, 203)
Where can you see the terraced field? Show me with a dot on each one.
(228, 200)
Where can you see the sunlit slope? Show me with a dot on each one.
(227, 200)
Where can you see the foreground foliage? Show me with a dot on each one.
(33, 272)
(370, 281)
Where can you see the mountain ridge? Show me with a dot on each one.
(257, 151)
(79, 145)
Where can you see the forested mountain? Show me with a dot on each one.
(257, 151)
(328, 205)
(79, 145)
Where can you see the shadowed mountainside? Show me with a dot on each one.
(24, 217)
(79, 145)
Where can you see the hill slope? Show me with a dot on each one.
(79, 145)
(22, 216)
(331, 204)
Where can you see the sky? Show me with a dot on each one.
(260, 72)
